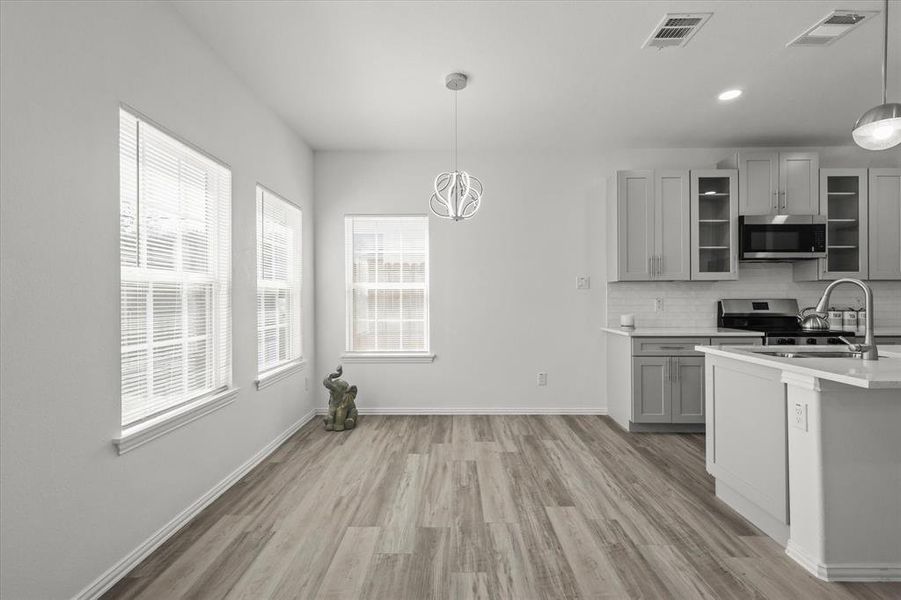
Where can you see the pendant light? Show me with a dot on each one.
(457, 194)
(880, 127)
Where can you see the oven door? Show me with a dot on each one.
(782, 237)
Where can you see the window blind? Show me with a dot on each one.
(387, 283)
(279, 268)
(175, 230)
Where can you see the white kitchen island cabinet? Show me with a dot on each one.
(808, 450)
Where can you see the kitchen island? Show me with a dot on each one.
(808, 449)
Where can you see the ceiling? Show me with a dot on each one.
(550, 75)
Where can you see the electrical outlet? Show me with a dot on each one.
(799, 416)
(658, 304)
(583, 283)
(542, 378)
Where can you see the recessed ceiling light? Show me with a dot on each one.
(729, 95)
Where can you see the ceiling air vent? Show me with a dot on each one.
(676, 29)
(831, 27)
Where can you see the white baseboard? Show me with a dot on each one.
(475, 410)
(859, 572)
(133, 558)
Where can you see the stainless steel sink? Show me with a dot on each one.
(831, 354)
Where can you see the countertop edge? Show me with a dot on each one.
(784, 364)
(681, 332)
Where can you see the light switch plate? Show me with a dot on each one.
(799, 416)
(542, 378)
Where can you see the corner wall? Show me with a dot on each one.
(71, 507)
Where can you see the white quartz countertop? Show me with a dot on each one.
(719, 332)
(681, 332)
(884, 373)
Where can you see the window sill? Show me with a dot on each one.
(138, 435)
(387, 357)
(272, 376)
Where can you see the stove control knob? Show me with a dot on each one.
(811, 341)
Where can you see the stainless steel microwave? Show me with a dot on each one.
(781, 237)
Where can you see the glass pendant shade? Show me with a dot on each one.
(879, 128)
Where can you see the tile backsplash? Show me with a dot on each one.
(693, 303)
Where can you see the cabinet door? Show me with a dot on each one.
(885, 223)
(758, 183)
(843, 199)
(799, 183)
(673, 220)
(651, 390)
(714, 224)
(688, 389)
(635, 226)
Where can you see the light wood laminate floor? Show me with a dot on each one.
(477, 507)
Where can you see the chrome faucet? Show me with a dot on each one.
(868, 349)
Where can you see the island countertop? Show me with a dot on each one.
(884, 373)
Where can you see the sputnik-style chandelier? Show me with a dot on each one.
(880, 127)
(457, 195)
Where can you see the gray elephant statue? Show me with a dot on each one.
(342, 407)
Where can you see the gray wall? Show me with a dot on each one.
(71, 506)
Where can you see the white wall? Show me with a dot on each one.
(504, 303)
(72, 507)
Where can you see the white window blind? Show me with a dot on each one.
(175, 213)
(279, 265)
(387, 278)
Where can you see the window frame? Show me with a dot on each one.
(152, 424)
(282, 369)
(376, 356)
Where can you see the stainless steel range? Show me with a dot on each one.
(776, 318)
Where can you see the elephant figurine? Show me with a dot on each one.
(342, 408)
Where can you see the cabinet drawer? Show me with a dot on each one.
(668, 346)
(736, 341)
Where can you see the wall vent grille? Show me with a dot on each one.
(675, 29)
(836, 24)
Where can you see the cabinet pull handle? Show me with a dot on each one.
(676, 370)
(673, 347)
(650, 271)
(783, 201)
(666, 369)
(776, 200)
(660, 267)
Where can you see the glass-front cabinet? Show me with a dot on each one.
(843, 199)
(714, 222)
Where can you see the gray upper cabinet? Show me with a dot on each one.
(885, 223)
(649, 217)
(799, 174)
(714, 224)
(758, 183)
(673, 224)
(784, 183)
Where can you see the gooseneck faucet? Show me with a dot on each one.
(868, 349)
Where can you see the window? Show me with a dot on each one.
(279, 227)
(175, 233)
(387, 279)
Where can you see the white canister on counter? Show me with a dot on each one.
(861, 321)
(836, 322)
(849, 321)
(627, 321)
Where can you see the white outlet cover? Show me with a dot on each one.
(583, 283)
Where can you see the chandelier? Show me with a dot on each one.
(457, 195)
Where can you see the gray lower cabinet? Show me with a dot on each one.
(652, 392)
(668, 389)
(687, 389)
